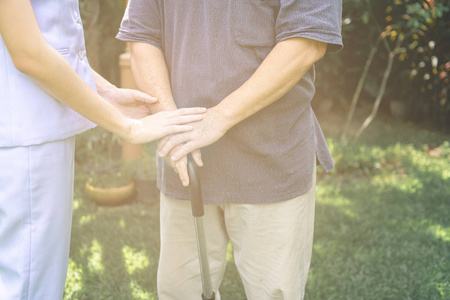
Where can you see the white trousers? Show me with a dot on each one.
(36, 190)
(272, 247)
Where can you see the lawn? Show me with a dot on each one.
(382, 227)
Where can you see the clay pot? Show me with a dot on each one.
(111, 196)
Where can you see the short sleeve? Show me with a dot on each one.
(141, 23)
(318, 20)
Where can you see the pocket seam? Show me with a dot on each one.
(63, 51)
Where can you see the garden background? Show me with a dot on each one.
(382, 228)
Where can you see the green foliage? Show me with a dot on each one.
(421, 73)
(424, 60)
(98, 153)
(112, 180)
(144, 168)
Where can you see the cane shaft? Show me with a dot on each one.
(203, 258)
(198, 212)
(195, 190)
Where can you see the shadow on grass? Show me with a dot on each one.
(115, 250)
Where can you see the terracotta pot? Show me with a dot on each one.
(111, 196)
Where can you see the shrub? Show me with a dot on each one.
(420, 74)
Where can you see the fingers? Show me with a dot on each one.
(181, 166)
(186, 119)
(171, 143)
(175, 129)
(197, 156)
(183, 151)
(171, 163)
(161, 142)
(189, 111)
(181, 116)
(143, 97)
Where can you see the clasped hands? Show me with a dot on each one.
(174, 148)
(179, 132)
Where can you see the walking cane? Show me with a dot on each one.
(198, 212)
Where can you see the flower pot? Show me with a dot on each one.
(113, 195)
(148, 191)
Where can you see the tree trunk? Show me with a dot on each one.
(357, 93)
(382, 89)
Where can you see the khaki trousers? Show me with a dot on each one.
(272, 247)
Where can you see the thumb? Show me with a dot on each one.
(143, 97)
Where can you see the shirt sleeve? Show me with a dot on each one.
(318, 20)
(141, 23)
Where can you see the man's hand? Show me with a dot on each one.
(180, 166)
(176, 147)
(132, 103)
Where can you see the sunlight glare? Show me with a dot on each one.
(134, 259)
(95, 264)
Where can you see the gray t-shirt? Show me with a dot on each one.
(211, 49)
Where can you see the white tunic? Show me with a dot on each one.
(29, 115)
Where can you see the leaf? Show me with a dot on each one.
(365, 18)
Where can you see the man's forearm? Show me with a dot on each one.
(279, 72)
(151, 75)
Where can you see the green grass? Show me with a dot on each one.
(382, 227)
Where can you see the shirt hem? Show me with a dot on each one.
(42, 140)
(335, 43)
(266, 200)
(129, 38)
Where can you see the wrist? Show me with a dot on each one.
(127, 129)
(163, 104)
(228, 114)
(106, 91)
(224, 117)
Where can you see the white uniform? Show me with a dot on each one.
(37, 163)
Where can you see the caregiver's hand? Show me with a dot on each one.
(132, 103)
(163, 123)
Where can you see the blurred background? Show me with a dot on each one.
(382, 228)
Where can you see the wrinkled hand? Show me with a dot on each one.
(180, 166)
(164, 123)
(176, 147)
(132, 103)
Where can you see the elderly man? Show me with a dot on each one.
(251, 63)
